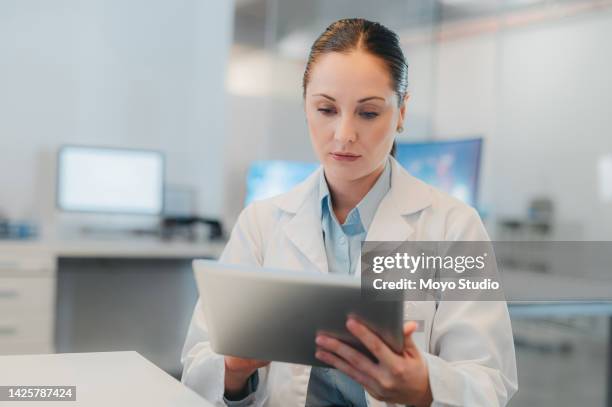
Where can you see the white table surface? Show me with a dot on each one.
(119, 248)
(101, 379)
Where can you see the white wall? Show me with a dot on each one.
(421, 86)
(143, 74)
(541, 95)
(265, 121)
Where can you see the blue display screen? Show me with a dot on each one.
(452, 166)
(266, 179)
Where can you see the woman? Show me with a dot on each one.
(355, 95)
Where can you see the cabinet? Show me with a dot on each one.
(27, 299)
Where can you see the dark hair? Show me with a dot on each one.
(350, 34)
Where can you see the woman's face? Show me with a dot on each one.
(352, 113)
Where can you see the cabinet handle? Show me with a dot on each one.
(8, 330)
(6, 294)
(8, 265)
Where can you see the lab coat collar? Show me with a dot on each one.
(407, 196)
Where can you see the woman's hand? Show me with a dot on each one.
(237, 373)
(396, 378)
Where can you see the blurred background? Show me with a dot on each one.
(132, 133)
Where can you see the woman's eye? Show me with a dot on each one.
(369, 115)
(326, 111)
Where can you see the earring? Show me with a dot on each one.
(400, 129)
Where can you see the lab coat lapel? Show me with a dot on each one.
(407, 196)
(388, 223)
(304, 228)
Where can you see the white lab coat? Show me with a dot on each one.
(468, 346)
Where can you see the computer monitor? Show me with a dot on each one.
(452, 166)
(110, 180)
(269, 178)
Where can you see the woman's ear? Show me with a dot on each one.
(402, 112)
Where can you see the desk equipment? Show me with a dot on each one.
(265, 314)
(17, 229)
(185, 225)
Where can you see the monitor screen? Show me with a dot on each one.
(106, 180)
(452, 166)
(269, 178)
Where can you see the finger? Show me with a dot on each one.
(371, 341)
(409, 329)
(251, 362)
(261, 363)
(346, 368)
(349, 354)
(374, 394)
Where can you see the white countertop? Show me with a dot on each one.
(128, 248)
(102, 379)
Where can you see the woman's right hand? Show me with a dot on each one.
(237, 373)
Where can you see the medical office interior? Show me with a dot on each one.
(194, 108)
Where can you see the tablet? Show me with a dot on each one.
(275, 315)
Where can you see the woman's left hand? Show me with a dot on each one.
(396, 378)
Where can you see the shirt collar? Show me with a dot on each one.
(366, 208)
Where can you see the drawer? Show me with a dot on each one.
(26, 328)
(26, 294)
(15, 259)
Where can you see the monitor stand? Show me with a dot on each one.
(77, 226)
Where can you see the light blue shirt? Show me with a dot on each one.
(327, 386)
(343, 248)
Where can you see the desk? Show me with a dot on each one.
(551, 309)
(150, 249)
(525, 284)
(101, 379)
(48, 293)
(119, 248)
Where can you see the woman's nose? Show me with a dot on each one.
(345, 131)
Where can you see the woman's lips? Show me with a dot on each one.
(344, 156)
